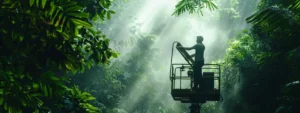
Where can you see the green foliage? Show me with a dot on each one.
(63, 29)
(239, 47)
(287, 20)
(231, 11)
(42, 37)
(104, 82)
(240, 53)
(240, 73)
(99, 9)
(209, 107)
(282, 32)
(81, 101)
(193, 6)
(258, 59)
(265, 19)
(17, 93)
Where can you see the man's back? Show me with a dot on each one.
(199, 55)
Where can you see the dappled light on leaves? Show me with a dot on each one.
(104, 56)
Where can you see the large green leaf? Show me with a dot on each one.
(79, 22)
(80, 15)
(266, 19)
(1, 101)
(73, 9)
(43, 3)
(37, 3)
(31, 2)
(69, 4)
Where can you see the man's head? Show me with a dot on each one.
(199, 39)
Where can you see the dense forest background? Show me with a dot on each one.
(103, 56)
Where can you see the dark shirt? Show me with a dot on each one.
(199, 54)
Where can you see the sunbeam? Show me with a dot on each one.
(154, 14)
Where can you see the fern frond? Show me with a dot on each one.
(193, 6)
(272, 18)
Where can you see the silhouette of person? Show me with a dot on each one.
(199, 62)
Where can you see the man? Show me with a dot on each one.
(199, 62)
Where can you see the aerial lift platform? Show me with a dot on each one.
(182, 88)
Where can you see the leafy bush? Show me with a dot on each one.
(40, 38)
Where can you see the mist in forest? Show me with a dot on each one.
(154, 17)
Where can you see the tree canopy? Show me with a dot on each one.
(40, 38)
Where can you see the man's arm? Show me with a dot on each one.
(193, 55)
(187, 48)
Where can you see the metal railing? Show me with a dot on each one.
(181, 67)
